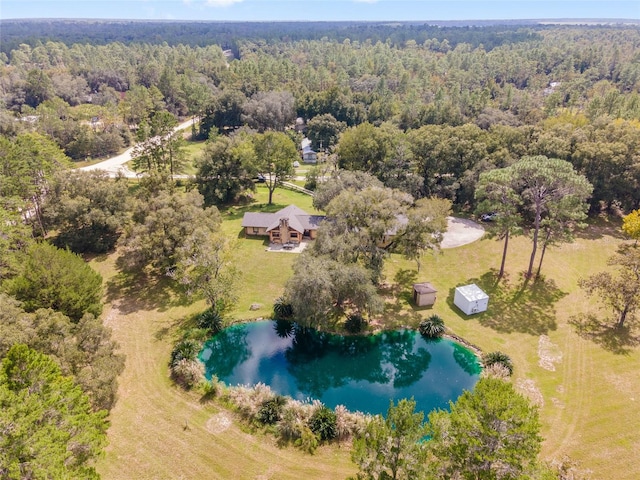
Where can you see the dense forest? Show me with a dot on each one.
(230, 34)
(440, 110)
(413, 117)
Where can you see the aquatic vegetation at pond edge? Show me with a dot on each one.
(360, 372)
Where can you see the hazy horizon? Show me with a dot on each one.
(320, 10)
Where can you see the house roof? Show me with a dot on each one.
(298, 219)
(255, 219)
(424, 287)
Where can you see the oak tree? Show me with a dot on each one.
(620, 292)
(275, 154)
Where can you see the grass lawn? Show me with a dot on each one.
(192, 150)
(587, 386)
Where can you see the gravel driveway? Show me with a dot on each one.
(461, 231)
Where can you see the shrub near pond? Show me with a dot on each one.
(432, 327)
(282, 310)
(186, 369)
(323, 423)
(271, 410)
(187, 373)
(498, 359)
(355, 323)
(211, 320)
(302, 423)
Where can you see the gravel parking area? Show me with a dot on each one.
(461, 231)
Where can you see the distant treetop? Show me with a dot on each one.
(229, 34)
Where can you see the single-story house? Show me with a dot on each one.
(308, 155)
(289, 225)
(424, 294)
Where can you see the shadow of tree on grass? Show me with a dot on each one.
(525, 306)
(600, 227)
(133, 291)
(398, 296)
(619, 341)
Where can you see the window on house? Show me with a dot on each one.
(256, 230)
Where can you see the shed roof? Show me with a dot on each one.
(424, 287)
(472, 292)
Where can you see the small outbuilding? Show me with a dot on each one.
(424, 294)
(471, 299)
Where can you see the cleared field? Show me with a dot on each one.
(587, 387)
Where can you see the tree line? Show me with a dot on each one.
(229, 34)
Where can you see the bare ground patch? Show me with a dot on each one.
(548, 353)
(218, 423)
(531, 391)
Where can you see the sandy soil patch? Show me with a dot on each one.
(548, 354)
(218, 423)
(531, 391)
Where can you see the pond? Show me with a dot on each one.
(360, 372)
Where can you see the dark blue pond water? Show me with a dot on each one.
(360, 372)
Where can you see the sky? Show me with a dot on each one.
(320, 10)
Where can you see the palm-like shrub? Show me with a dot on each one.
(271, 410)
(432, 327)
(497, 358)
(282, 309)
(355, 323)
(210, 320)
(323, 423)
(185, 349)
(210, 388)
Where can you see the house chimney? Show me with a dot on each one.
(284, 230)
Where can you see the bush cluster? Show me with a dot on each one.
(304, 424)
(186, 369)
(498, 360)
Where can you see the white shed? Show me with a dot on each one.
(471, 299)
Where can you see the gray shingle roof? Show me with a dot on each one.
(257, 219)
(298, 219)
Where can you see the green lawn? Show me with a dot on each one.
(192, 150)
(587, 388)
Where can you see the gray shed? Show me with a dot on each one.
(471, 299)
(424, 294)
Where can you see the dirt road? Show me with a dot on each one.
(115, 165)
